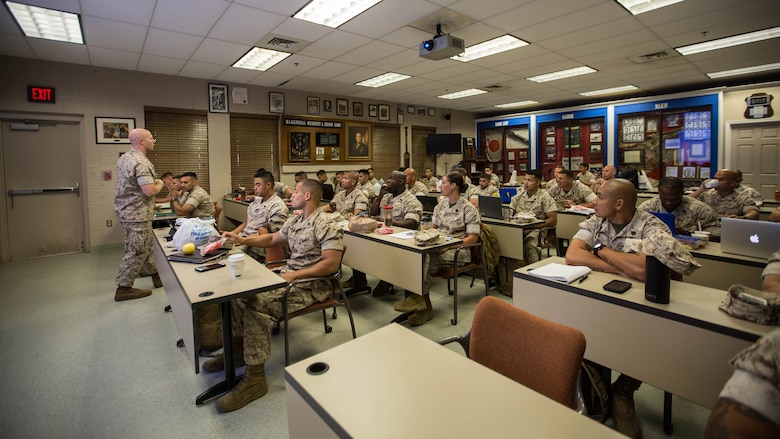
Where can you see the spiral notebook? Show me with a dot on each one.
(561, 272)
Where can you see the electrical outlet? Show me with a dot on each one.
(109, 223)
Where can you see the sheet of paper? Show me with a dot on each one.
(403, 235)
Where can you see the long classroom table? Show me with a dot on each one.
(721, 270)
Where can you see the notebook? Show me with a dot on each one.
(758, 239)
(490, 207)
(667, 218)
(197, 258)
(561, 272)
(428, 202)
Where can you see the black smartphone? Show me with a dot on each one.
(213, 266)
(617, 286)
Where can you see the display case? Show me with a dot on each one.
(569, 139)
(505, 147)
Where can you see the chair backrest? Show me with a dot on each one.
(540, 354)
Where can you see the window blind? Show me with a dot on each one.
(419, 142)
(182, 142)
(387, 150)
(253, 144)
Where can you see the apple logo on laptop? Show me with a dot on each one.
(754, 238)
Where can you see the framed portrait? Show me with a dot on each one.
(218, 98)
(371, 110)
(335, 153)
(300, 147)
(400, 119)
(113, 129)
(342, 107)
(431, 112)
(384, 112)
(410, 109)
(319, 152)
(357, 108)
(421, 111)
(327, 106)
(689, 172)
(276, 102)
(359, 138)
(652, 125)
(312, 105)
(595, 148)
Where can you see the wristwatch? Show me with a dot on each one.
(596, 247)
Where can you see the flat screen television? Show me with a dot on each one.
(444, 144)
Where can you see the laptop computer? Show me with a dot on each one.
(667, 218)
(197, 258)
(758, 239)
(490, 207)
(507, 193)
(428, 202)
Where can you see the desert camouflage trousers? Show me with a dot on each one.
(139, 253)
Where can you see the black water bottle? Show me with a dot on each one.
(657, 280)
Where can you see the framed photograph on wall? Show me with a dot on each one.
(595, 148)
(218, 98)
(113, 129)
(400, 119)
(410, 109)
(431, 112)
(357, 108)
(384, 112)
(359, 138)
(342, 107)
(421, 111)
(276, 102)
(327, 106)
(312, 105)
(300, 147)
(672, 171)
(371, 110)
(704, 172)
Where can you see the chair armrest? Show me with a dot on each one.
(275, 264)
(462, 340)
(462, 247)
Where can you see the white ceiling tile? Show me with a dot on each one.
(237, 76)
(59, 51)
(113, 58)
(160, 64)
(60, 5)
(297, 64)
(195, 17)
(136, 11)
(15, 45)
(195, 69)
(174, 44)
(287, 7)
(242, 24)
(330, 69)
(301, 30)
(220, 52)
(334, 45)
(112, 34)
(388, 16)
(270, 79)
(368, 53)
(481, 9)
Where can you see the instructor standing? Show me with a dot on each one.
(136, 187)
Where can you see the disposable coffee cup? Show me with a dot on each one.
(236, 264)
(711, 184)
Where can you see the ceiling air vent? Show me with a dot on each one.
(495, 87)
(282, 43)
(650, 57)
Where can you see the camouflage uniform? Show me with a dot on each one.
(280, 189)
(135, 212)
(773, 267)
(490, 191)
(751, 193)
(201, 201)
(271, 214)
(732, 204)
(495, 180)
(347, 203)
(457, 221)
(367, 189)
(551, 184)
(687, 216)
(430, 183)
(471, 191)
(418, 188)
(754, 382)
(540, 203)
(405, 206)
(586, 177)
(579, 193)
(254, 315)
(643, 225)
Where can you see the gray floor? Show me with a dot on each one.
(76, 364)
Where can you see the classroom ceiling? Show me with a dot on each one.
(203, 38)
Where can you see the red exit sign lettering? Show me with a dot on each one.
(40, 94)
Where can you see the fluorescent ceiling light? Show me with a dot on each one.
(607, 91)
(333, 13)
(490, 47)
(260, 59)
(47, 23)
(462, 94)
(744, 70)
(637, 7)
(382, 80)
(516, 104)
(577, 71)
(736, 40)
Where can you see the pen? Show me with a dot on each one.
(582, 279)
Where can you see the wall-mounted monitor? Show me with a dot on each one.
(444, 144)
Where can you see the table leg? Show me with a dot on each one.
(668, 413)
(403, 317)
(227, 349)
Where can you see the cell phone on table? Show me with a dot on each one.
(209, 267)
(617, 286)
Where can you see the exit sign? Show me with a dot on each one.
(40, 94)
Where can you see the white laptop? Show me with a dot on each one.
(758, 239)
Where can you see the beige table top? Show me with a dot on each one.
(375, 387)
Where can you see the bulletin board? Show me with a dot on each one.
(308, 140)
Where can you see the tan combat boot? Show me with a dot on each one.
(130, 293)
(420, 317)
(156, 281)
(217, 363)
(623, 412)
(251, 387)
(413, 302)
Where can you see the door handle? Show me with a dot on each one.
(21, 192)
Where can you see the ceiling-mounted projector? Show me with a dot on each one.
(441, 46)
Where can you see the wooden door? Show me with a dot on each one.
(755, 150)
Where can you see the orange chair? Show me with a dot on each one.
(330, 302)
(540, 354)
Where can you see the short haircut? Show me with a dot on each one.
(301, 174)
(363, 171)
(671, 183)
(352, 175)
(177, 177)
(484, 175)
(535, 174)
(462, 171)
(566, 173)
(192, 175)
(340, 172)
(265, 176)
(314, 187)
(321, 172)
(457, 178)
(167, 174)
(584, 165)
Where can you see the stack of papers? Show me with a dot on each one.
(581, 210)
(561, 272)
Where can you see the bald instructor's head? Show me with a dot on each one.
(142, 140)
(616, 201)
